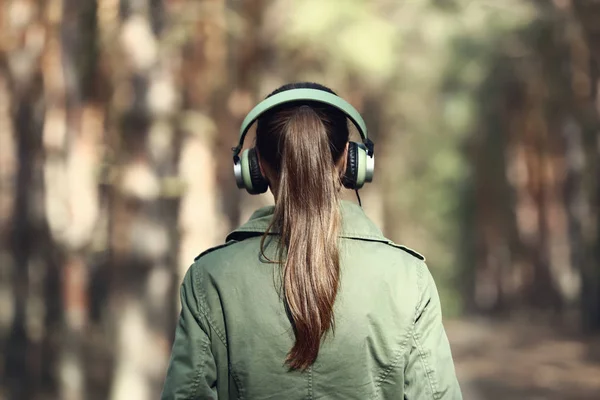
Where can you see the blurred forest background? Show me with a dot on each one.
(116, 123)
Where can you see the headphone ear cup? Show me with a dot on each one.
(356, 166)
(349, 178)
(254, 181)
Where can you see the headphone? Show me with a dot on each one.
(361, 160)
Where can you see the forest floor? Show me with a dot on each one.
(523, 360)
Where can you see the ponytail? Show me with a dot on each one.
(307, 214)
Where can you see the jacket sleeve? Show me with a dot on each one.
(430, 371)
(192, 372)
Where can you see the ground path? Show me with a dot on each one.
(522, 360)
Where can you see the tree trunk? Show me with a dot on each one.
(203, 219)
(72, 134)
(145, 202)
(588, 15)
(31, 346)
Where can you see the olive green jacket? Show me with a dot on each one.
(233, 334)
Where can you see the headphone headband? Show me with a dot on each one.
(292, 95)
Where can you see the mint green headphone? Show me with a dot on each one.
(361, 160)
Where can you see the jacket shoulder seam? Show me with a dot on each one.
(237, 382)
(210, 250)
(408, 250)
(361, 236)
(198, 377)
(429, 372)
(395, 360)
(420, 276)
(203, 308)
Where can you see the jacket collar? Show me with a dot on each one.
(355, 224)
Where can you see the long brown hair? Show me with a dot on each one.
(303, 143)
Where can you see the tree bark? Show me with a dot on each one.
(145, 200)
(588, 15)
(29, 355)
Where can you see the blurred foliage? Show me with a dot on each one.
(425, 62)
(116, 123)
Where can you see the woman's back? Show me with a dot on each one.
(308, 299)
(387, 324)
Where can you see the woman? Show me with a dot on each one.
(308, 299)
